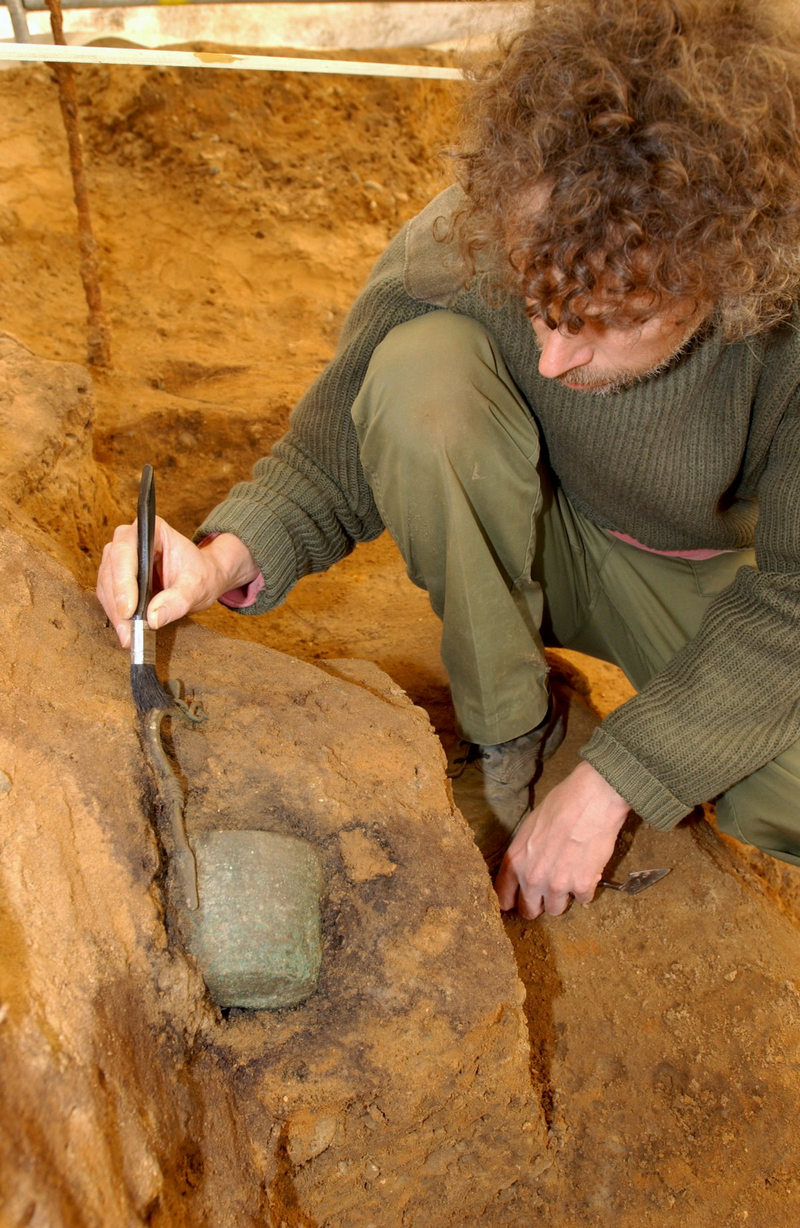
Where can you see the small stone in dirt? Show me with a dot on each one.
(5, 784)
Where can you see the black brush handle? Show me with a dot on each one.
(145, 532)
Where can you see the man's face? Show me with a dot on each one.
(605, 358)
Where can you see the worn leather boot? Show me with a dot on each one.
(492, 784)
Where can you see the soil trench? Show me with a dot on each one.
(652, 1078)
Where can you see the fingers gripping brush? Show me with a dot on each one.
(147, 691)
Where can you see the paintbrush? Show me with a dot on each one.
(147, 691)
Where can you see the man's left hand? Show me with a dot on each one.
(562, 846)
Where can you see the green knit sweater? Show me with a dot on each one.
(706, 454)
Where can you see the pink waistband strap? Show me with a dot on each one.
(693, 556)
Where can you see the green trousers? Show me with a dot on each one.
(451, 452)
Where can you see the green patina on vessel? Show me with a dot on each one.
(257, 933)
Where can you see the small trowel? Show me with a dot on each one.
(638, 880)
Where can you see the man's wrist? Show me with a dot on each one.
(232, 561)
(614, 803)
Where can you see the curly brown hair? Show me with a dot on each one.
(633, 152)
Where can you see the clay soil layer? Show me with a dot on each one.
(653, 1078)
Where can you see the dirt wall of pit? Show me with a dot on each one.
(399, 1092)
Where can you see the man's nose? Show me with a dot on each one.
(563, 352)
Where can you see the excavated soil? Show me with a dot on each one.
(236, 217)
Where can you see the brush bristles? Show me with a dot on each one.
(147, 691)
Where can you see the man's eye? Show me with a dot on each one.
(625, 326)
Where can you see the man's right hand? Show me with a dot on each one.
(191, 578)
(560, 849)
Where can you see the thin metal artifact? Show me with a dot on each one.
(172, 795)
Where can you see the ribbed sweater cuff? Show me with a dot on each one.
(651, 800)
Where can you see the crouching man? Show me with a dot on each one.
(569, 391)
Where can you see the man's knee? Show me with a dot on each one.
(437, 342)
(438, 385)
(424, 375)
(764, 809)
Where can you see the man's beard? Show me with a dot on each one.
(606, 383)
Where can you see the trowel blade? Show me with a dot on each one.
(639, 880)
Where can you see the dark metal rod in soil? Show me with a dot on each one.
(97, 337)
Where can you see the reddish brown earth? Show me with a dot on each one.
(237, 216)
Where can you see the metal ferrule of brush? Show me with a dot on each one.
(143, 643)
